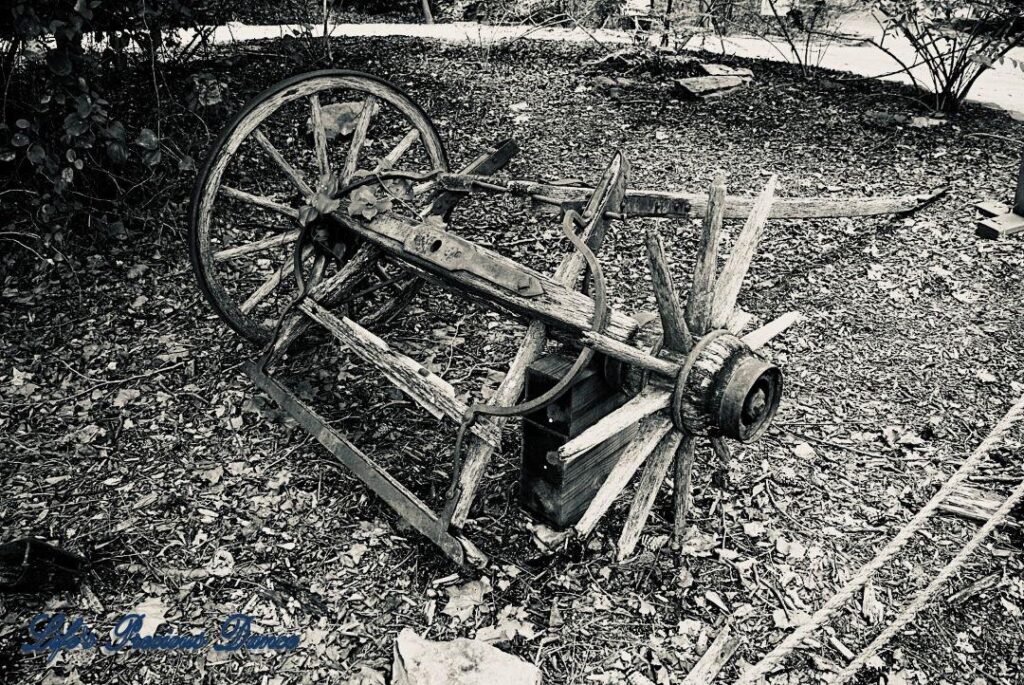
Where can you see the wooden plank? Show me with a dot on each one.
(712, 661)
(643, 501)
(379, 480)
(649, 401)
(466, 481)
(736, 266)
(556, 305)
(647, 439)
(428, 389)
(673, 317)
(991, 208)
(698, 301)
(1000, 226)
(760, 337)
(667, 203)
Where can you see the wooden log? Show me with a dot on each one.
(759, 338)
(673, 318)
(682, 477)
(669, 203)
(649, 401)
(429, 390)
(466, 480)
(698, 301)
(718, 655)
(648, 436)
(643, 501)
(736, 266)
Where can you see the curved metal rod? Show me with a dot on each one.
(585, 356)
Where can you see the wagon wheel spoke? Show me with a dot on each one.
(286, 268)
(701, 295)
(260, 201)
(391, 158)
(673, 318)
(319, 134)
(258, 246)
(358, 138)
(291, 172)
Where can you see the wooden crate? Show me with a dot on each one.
(553, 492)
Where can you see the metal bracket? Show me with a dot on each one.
(438, 246)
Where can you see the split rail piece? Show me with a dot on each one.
(326, 203)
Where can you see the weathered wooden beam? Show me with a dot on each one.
(428, 389)
(663, 203)
(553, 303)
(682, 478)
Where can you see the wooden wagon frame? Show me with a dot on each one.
(697, 378)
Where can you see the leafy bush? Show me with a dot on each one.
(61, 143)
(957, 40)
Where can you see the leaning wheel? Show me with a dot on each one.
(305, 134)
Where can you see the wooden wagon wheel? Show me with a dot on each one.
(273, 162)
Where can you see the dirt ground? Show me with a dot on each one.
(130, 434)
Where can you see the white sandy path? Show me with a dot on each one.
(1001, 87)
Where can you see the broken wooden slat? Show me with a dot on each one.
(649, 401)
(736, 266)
(429, 390)
(698, 301)
(643, 501)
(673, 318)
(647, 439)
(760, 337)
(712, 661)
